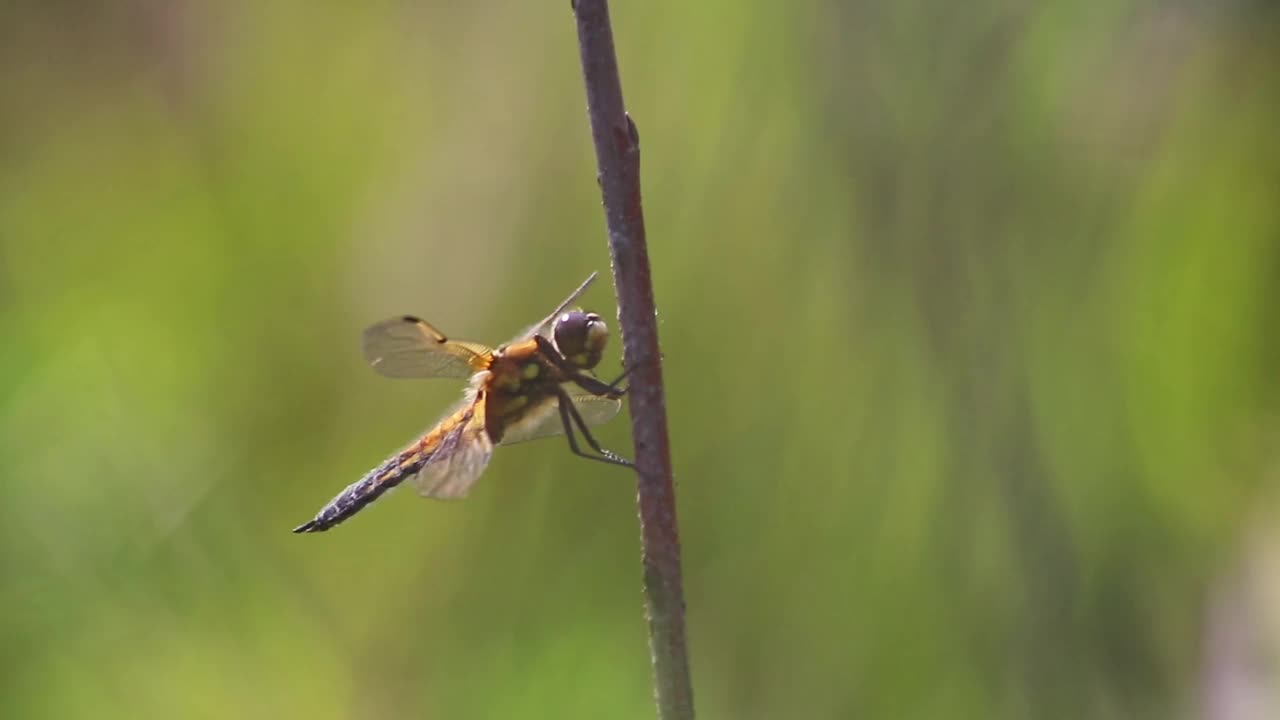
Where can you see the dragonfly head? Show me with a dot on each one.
(580, 337)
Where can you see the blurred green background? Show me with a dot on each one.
(969, 313)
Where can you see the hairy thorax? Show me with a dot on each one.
(520, 387)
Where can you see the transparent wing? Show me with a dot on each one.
(544, 328)
(544, 420)
(408, 347)
(457, 460)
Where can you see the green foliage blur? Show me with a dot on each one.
(969, 316)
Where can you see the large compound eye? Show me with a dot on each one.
(580, 337)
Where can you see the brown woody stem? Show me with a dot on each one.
(617, 145)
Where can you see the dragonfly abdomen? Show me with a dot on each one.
(364, 491)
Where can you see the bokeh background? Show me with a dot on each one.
(969, 314)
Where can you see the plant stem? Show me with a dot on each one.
(617, 145)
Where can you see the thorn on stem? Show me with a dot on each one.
(628, 138)
(632, 131)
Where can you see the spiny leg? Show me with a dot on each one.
(614, 385)
(568, 433)
(598, 387)
(569, 416)
(591, 441)
(593, 385)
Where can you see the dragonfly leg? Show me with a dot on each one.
(595, 386)
(618, 380)
(570, 417)
(598, 387)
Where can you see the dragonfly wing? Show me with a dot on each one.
(408, 347)
(460, 454)
(544, 420)
(544, 328)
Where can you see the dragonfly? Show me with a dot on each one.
(539, 384)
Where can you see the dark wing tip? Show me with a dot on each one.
(410, 319)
